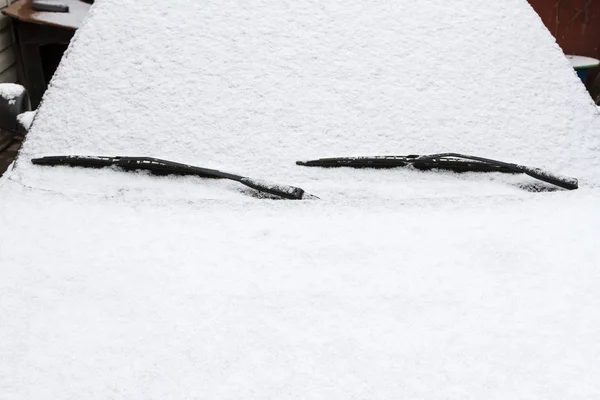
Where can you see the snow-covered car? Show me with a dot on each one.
(398, 278)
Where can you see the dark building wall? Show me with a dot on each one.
(576, 26)
(574, 23)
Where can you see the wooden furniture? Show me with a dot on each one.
(41, 38)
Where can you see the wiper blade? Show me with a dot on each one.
(449, 161)
(164, 167)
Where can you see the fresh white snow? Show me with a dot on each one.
(423, 299)
(252, 87)
(10, 91)
(26, 118)
(396, 284)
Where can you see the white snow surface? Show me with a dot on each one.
(26, 118)
(251, 87)
(424, 299)
(396, 284)
(10, 91)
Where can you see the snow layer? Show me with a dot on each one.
(395, 284)
(26, 118)
(10, 91)
(251, 87)
(432, 299)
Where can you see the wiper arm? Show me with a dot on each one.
(164, 167)
(450, 161)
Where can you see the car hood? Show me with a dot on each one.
(224, 299)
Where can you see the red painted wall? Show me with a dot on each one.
(574, 23)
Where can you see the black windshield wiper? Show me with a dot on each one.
(449, 161)
(164, 167)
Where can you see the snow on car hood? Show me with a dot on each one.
(430, 299)
(251, 88)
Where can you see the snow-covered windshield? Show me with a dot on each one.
(251, 88)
